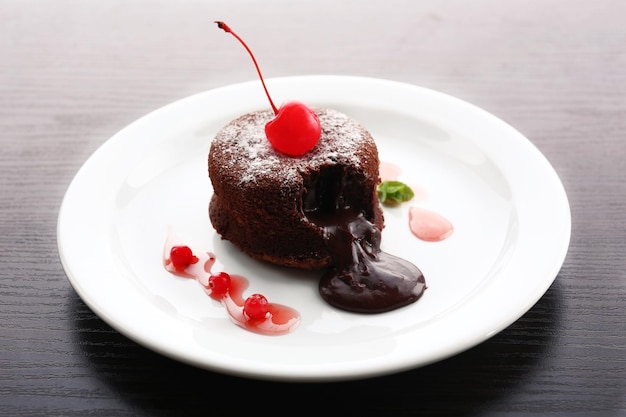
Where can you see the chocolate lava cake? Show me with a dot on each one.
(268, 204)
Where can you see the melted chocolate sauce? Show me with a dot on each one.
(363, 279)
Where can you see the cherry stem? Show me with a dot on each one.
(227, 29)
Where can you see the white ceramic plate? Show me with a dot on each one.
(508, 207)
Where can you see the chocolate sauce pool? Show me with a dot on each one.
(363, 279)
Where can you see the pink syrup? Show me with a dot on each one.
(281, 319)
(389, 171)
(429, 226)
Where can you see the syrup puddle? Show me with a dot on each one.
(429, 226)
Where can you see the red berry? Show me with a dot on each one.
(219, 284)
(182, 257)
(256, 307)
(296, 128)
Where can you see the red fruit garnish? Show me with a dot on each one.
(256, 307)
(182, 257)
(219, 284)
(296, 128)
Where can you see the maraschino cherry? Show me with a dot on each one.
(295, 129)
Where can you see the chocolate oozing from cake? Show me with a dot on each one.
(363, 278)
(319, 210)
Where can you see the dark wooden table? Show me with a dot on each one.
(72, 73)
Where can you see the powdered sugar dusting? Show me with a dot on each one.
(242, 147)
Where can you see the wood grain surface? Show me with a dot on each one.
(73, 73)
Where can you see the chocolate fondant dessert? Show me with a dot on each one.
(298, 187)
(268, 204)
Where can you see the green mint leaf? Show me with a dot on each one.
(392, 193)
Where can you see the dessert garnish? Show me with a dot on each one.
(256, 308)
(254, 313)
(392, 193)
(424, 224)
(182, 257)
(429, 226)
(219, 284)
(295, 129)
